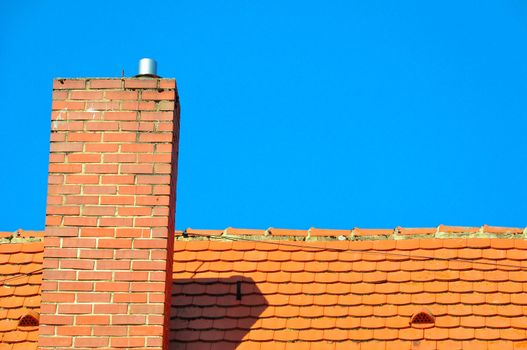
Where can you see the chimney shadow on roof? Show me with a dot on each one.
(213, 311)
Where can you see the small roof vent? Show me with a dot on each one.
(422, 319)
(29, 320)
(147, 68)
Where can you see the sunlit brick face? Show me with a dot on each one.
(110, 214)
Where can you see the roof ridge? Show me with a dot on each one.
(356, 233)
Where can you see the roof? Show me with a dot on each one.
(322, 289)
(350, 289)
(20, 281)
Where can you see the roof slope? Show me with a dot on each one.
(283, 292)
(20, 281)
(294, 289)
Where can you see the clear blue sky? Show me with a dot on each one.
(294, 113)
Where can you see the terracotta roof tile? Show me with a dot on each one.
(326, 289)
(19, 292)
(366, 290)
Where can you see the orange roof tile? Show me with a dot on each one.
(319, 288)
(355, 288)
(19, 294)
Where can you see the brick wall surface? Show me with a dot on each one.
(110, 214)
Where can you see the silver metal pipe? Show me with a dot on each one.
(147, 67)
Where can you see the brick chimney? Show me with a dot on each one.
(110, 214)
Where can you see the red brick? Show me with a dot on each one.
(167, 83)
(158, 116)
(57, 158)
(82, 200)
(151, 222)
(59, 275)
(145, 189)
(101, 126)
(147, 286)
(134, 211)
(103, 105)
(100, 189)
(128, 342)
(155, 158)
(155, 137)
(149, 265)
(132, 232)
(130, 298)
(78, 242)
(117, 179)
(152, 200)
(150, 243)
(67, 126)
(79, 221)
(112, 286)
(122, 200)
(84, 115)
(162, 190)
(97, 232)
(62, 210)
(53, 220)
(139, 105)
(60, 95)
(115, 222)
(75, 286)
(158, 95)
(137, 148)
(84, 158)
(153, 179)
(113, 265)
(132, 253)
(136, 168)
(140, 83)
(65, 147)
(166, 106)
(54, 297)
(119, 115)
(110, 308)
(84, 137)
(86, 95)
(77, 264)
(92, 319)
(120, 137)
(60, 253)
(146, 330)
(121, 95)
(101, 168)
(65, 168)
(67, 105)
(111, 330)
(98, 211)
(73, 330)
(64, 189)
(105, 83)
(74, 308)
(115, 243)
(128, 319)
(120, 158)
(131, 276)
(69, 84)
(54, 341)
(91, 342)
(94, 276)
(101, 147)
(82, 179)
